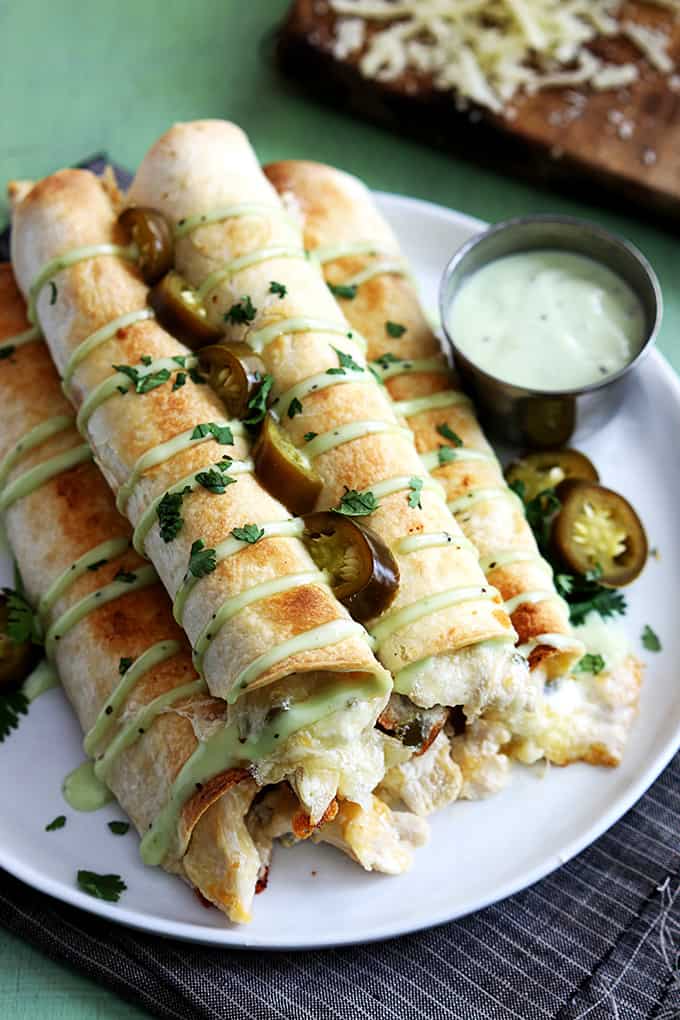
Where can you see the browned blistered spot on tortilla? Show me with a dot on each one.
(301, 823)
(308, 603)
(538, 654)
(502, 617)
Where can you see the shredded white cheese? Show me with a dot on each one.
(488, 50)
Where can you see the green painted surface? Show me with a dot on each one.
(76, 78)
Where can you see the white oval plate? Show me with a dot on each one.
(478, 852)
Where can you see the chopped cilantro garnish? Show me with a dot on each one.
(564, 584)
(445, 454)
(387, 359)
(257, 405)
(357, 504)
(310, 435)
(539, 512)
(180, 359)
(144, 382)
(222, 433)
(215, 480)
(53, 292)
(124, 664)
(394, 329)
(590, 664)
(249, 533)
(196, 377)
(376, 374)
(447, 432)
(650, 640)
(119, 828)
(7, 352)
(415, 485)
(57, 823)
(295, 407)
(146, 359)
(277, 288)
(11, 707)
(22, 624)
(347, 361)
(169, 514)
(102, 887)
(242, 313)
(180, 380)
(343, 290)
(202, 561)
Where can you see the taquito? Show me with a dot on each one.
(345, 232)
(446, 637)
(304, 689)
(588, 718)
(125, 665)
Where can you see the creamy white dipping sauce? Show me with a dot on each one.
(547, 320)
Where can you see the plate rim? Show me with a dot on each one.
(237, 937)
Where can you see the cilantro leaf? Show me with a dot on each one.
(277, 288)
(650, 640)
(357, 504)
(343, 290)
(242, 313)
(446, 432)
(539, 512)
(102, 887)
(144, 382)
(308, 436)
(295, 407)
(376, 375)
(249, 533)
(197, 378)
(146, 359)
(11, 707)
(57, 823)
(119, 828)
(347, 361)
(564, 584)
(604, 601)
(215, 480)
(222, 433)
(22, 624)
(124, 664)
(7, 352)
(169, 514)
(387, 359)
(590, 664)
(202, 561)
(96, 565)
(445, 454)
(180, 380)
(415, 485)
(257, 405)
(394, 329)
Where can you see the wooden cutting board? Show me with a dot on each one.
(620, 146)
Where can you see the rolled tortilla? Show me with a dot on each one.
(268, 635)
(64, 519)
(446, 637)
(340, 222)
(223, 841)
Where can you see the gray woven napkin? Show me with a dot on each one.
(599, 938)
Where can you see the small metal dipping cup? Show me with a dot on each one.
(541, 419)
